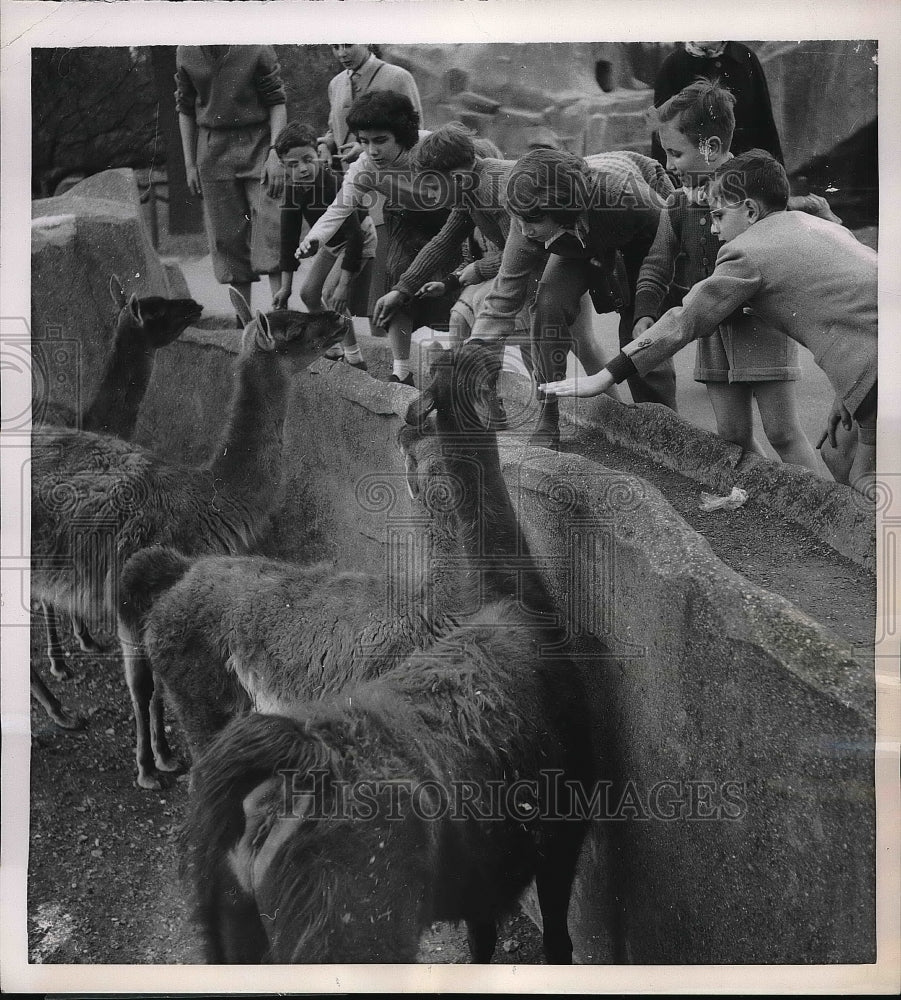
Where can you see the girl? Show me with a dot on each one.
(387, 126)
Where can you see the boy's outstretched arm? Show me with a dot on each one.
(734, 281)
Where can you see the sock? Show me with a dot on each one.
(402, 368)
(353, 354)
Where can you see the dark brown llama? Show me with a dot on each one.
(337, 831)
(143, 325)
(97, 499)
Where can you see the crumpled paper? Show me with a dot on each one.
(735, 499)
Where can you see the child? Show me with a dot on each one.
(310, 188)
(593, 221)
(387, 126)
(804, 275)
(742, 360)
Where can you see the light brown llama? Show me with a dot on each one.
(97, 499)
(338, 830)
(227, 635)
(142, 326)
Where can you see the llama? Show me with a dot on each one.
(338, 830)
(127, 499)
(293, 631)
(142, 327)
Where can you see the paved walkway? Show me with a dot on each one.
(815, 394)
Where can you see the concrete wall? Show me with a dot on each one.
(736, 734)
(721, 700)
(78, 241)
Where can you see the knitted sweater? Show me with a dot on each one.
(628, 196)
(231, 89)
(684, 253)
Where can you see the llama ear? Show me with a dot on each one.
(116, 291)
(134, 307)
(264, 339)
(242, 307)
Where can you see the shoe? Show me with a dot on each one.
(361, 365)
(403, 381)
(334, 354)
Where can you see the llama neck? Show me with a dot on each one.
(247, 461)
(114, 409)
(488, 532)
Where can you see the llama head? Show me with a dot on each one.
(160, 321)
(298, 336)
(462, 389)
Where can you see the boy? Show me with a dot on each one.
(231, 104)
(743, 361)
(807, 276)
(361, 72)
(310, 189)
(593, 222)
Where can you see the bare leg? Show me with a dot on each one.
(734, 418)
(311, 291)
(778, 405)
(275, 282)
(50, 704)
(840, 459)
(586, 346)
(55, 652)
(863, 470)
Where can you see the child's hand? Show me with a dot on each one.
(431, 290)
(306, 248)
(273, 176)
(469, 275)
(641, 325)
(193, 176)
(385, 308)
(588, 385)
(813, 204)
(350, 151)
(838, 414)
(280, 299)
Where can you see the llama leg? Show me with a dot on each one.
(86, 641)
(50, 704)
(54, 647)
(482, 938)
(554, 881)
(162, 753)
(139, 678)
